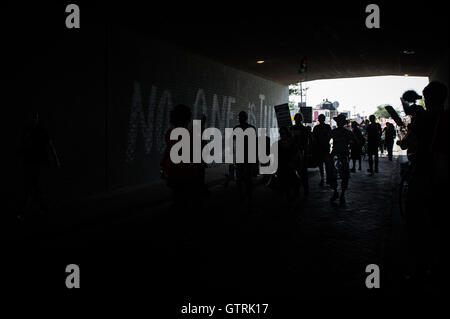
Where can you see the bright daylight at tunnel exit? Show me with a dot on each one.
(231, 163)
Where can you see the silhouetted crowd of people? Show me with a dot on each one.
(299, 148)
(331, 150)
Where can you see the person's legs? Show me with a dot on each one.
(304, 177)
(370, 170)
(354, 164)
(345, 175)
(328, 169)
(333, 179)
(376, 162)
(335, 193)
(344, 185)
(321, 163)
(390, 147)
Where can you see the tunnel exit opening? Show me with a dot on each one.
(357, 98)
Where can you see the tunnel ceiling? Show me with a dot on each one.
(334, 38)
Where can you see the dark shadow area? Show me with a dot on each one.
(93, 132)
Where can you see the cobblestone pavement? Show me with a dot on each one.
(305, 248)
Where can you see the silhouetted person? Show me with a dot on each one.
(424, 218)
(409, 142)
(363, 127)
(389, 137)
(183, 178)
(356, 148)
(288, 154)
(440, 180)
(266, 177)
(409, 99)
(37, 151)
(321, 136)
(342, 139)
(302, 138)
(382, 141)
(245, 171)
(373, 143)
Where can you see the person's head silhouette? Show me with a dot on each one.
(372, 118)
(180, 115)
(298, 118)
(411, 96)
(321, 118)
(355, 125)
(243, 117)
(435, 94)
(341, 120)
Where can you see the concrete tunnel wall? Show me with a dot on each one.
(105, 100)
(148, 80)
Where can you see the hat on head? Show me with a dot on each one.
(411, 96)
(341, 118)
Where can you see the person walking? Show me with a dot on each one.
(389, 136)
(302, 138)
(342, 139)
(356, 148)
(373, 143)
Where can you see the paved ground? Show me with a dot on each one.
(306, 248)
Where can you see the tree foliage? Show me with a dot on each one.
(381, 112)
(294, 90)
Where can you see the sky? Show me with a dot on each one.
(364, 93)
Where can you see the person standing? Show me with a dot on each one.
(302, 138)
(356, 148)
(245, 171)
(389, 136)
(382, 139)
(287, 164)
(321, 136)
(183, 178)
(373, 143)
(428, 185)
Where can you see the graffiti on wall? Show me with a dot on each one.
(149, 119)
